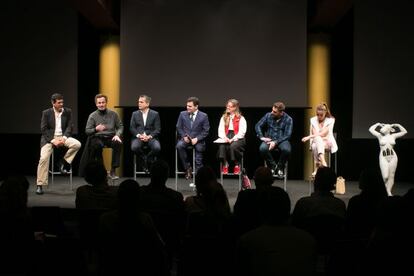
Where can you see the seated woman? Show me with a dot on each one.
(321, 137)
(231, 131)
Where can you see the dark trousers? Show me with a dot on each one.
(284, 148)
(182, 148)
(97, 143)
(232, 152)
(146, 151)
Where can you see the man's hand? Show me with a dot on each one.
(116, 139)
(187, 139)
(100, 128)
(266, 140)
(272, 145)
(194, 141)
(58, 142)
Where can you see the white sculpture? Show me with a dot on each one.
(386, 134)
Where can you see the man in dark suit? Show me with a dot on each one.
(56, 127)
(192, 128)
(145, 128)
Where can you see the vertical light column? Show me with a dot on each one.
(318, 85)
(109, 83)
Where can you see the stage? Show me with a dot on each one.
(60, 193)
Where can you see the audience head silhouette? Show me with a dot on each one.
(159, 173)
(325, 179)
(274, 205)
(372, 183)
(95, 173)
(129, 195)
(204, 176)
(263, 177)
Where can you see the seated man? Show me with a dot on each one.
(192, 128)
(279, 129)
(145, 128)
(104, 128)
(56, 127)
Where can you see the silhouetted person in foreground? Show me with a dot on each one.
(246, 209)
(363, 209)
(98, 194)
(130, 243)
(275, 248)
(165, 205)
(16, 230)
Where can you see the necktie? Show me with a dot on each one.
(191, 119)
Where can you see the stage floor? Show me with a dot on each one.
(60, 193)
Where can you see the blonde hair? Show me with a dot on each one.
(237, 113)
(324, 108)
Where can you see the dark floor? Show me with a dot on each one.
(60, 194)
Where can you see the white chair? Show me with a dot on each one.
(233, 174)
(52, 171)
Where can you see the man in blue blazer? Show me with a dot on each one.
(192, 130)
(145, 128)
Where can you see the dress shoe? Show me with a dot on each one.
(188, 173)
(236, 169)
(39, 190)
(64, 167)
(280, 174)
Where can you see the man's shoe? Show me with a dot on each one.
(236, 169)
(188, 173)
(64, 167)
(280, 174)
(39, 190)
(225, 170)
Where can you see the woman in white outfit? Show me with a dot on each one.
(386, 134)
(321, 135)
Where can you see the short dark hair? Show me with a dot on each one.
(101, 96)
(263, 177)
(325, 179)
(147, 98)
(55, 97)
(194, 100)
(279, 106)
(159, 172)
(95, 173)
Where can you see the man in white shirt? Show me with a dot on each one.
(56, 127)
(145, 128)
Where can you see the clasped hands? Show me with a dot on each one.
(144, 137)
(58, 141)
(272, 144)
(188, 140)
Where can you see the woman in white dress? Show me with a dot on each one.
(386, 134)
(321, 135)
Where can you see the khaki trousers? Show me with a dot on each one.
(73, 146)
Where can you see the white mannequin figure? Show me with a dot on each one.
(386, 134)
